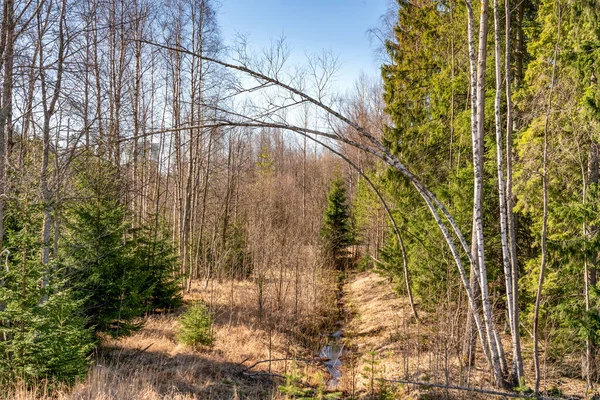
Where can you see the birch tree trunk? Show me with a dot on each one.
(6, 60)
(477, 69)
(510, 217)
(506, 256)
(470, 339)
(49, 109)
(136, 100)
(590, 265)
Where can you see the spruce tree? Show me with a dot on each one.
(157, 262)
(118, 271)
(337, 231)
(571, 127)
(105, 273)
(425, 92)
(43, 334)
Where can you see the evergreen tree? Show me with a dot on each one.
(425, 93)
(43, 332)
(157, 261)
(196, 326)
(571, 126)
(337, 231)
(119, 272)
(105, 274)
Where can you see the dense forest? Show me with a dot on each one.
(183, 219)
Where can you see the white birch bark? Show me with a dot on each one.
(49, 108)
(477, 70)
(506, 194)
(506, 253)
(6, 61)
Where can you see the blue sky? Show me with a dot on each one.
(310, 26)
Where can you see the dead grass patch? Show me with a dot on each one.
(388, 343)
(152, 365)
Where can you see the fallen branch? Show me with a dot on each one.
(241, 363)
(470, 389)
(139, 352)
(305, 360)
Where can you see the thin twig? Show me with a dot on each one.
(139, 352)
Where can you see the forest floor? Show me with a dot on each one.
(152, 365)
(384, 343)
(381, 341)
(377, 315)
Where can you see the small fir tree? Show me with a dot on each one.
(119, 272)
(104, 273)
(196, 326)
(336, 231)
(158, 263)
(43, 334)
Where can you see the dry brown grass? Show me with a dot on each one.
(377, 316)
(151, 364)
(380, 336)
(383, 331)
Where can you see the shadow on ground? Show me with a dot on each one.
(122, 373)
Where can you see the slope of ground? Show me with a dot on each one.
(384, 342)
(377, 315)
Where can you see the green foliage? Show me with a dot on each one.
(391, 256)
(371, 370)
(522, 387)
(418, 86)
(366, 206)
(196, 326)
(336, 231)
(43, 332)
(573, 215)
(119, 272)
(426, 88)
(238, 259)
(104, 276)
(158, 264)
(365, 263)
(104, 272)
(387, 391)
(61, 343)
(293, 387)
(265, 163)
(291, 383)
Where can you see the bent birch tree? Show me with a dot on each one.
(487, 331)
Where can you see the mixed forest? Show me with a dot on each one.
(208, 214)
